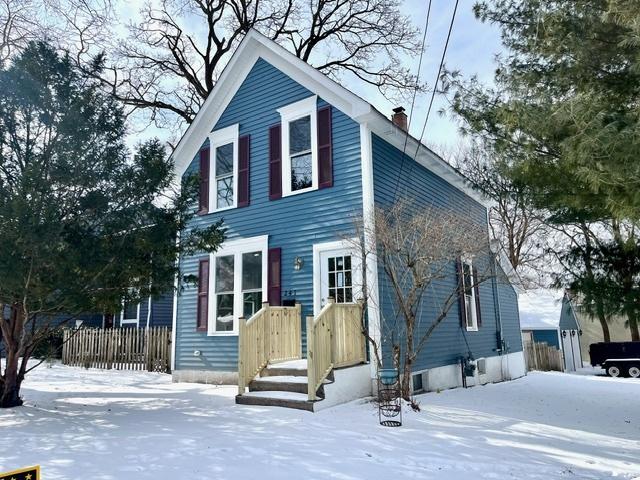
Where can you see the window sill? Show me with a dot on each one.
(298, 192)
(472, 329)
(222, 334)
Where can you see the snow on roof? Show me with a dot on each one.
(540, 309)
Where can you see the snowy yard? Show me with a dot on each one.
(121, 425)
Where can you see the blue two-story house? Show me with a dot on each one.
(288, 158)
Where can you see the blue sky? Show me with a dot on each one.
(471, 50)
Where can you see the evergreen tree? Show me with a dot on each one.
(82, 223)
(565, 111)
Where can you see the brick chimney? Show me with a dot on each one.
(399, 118)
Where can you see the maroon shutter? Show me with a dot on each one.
(476, 289)
(243, 170)
(325, 160)
(274, 292)
(203, 295)
(204, 181)
(275, 162)
(460, 279)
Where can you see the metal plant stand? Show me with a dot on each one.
(389, 398)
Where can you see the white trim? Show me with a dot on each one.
(236, 248)
(368, 221)
(474, 313)
(255, 46)
(130, 321)
(149, 311)
(218, 138)
(174, 313)
(318, 248)
(289, 113)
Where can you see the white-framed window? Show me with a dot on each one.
(223, 168)
(130, 314)
(469, 295)
(239, 283)
(299, 146)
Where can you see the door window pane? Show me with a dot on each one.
(251, 271)
(340, 279)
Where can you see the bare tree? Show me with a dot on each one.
(417, 249)
(171, 58)
(520, 228)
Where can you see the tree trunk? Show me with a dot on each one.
(633, 325)
(11, 382)
(603, 321)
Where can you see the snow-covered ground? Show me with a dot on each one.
(127, 425)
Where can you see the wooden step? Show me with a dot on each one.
(295, 384)
(293, 368)
(298, 401)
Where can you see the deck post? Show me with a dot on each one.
(241, 353)
(311, 373)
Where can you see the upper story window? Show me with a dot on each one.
(224, 168)
(299, 146)
(469, 295)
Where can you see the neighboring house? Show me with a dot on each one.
(590, 330)
(149, 312)
(288, 157)
(547, 319)
(539, 316)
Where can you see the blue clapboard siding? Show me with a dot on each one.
(508, 304)
(293, 223)
(162, 310)
(550, 337)
(425, 189)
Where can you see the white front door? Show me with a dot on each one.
(338, 274)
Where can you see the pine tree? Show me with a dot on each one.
(82, 223)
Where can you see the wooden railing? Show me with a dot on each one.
(118, 348)
(334, 339)
(271, 335)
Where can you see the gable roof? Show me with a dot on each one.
(254, 46)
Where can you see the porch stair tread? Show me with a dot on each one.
(299, 364)
(295, 400)
(282, 378)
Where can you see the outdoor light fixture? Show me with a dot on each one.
(298, 263)
(196, 353)
(564, 333)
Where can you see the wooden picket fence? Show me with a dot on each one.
(118, 348)
(541, 356)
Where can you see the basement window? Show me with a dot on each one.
(416, 383)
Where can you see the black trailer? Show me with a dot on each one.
(617, 358)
